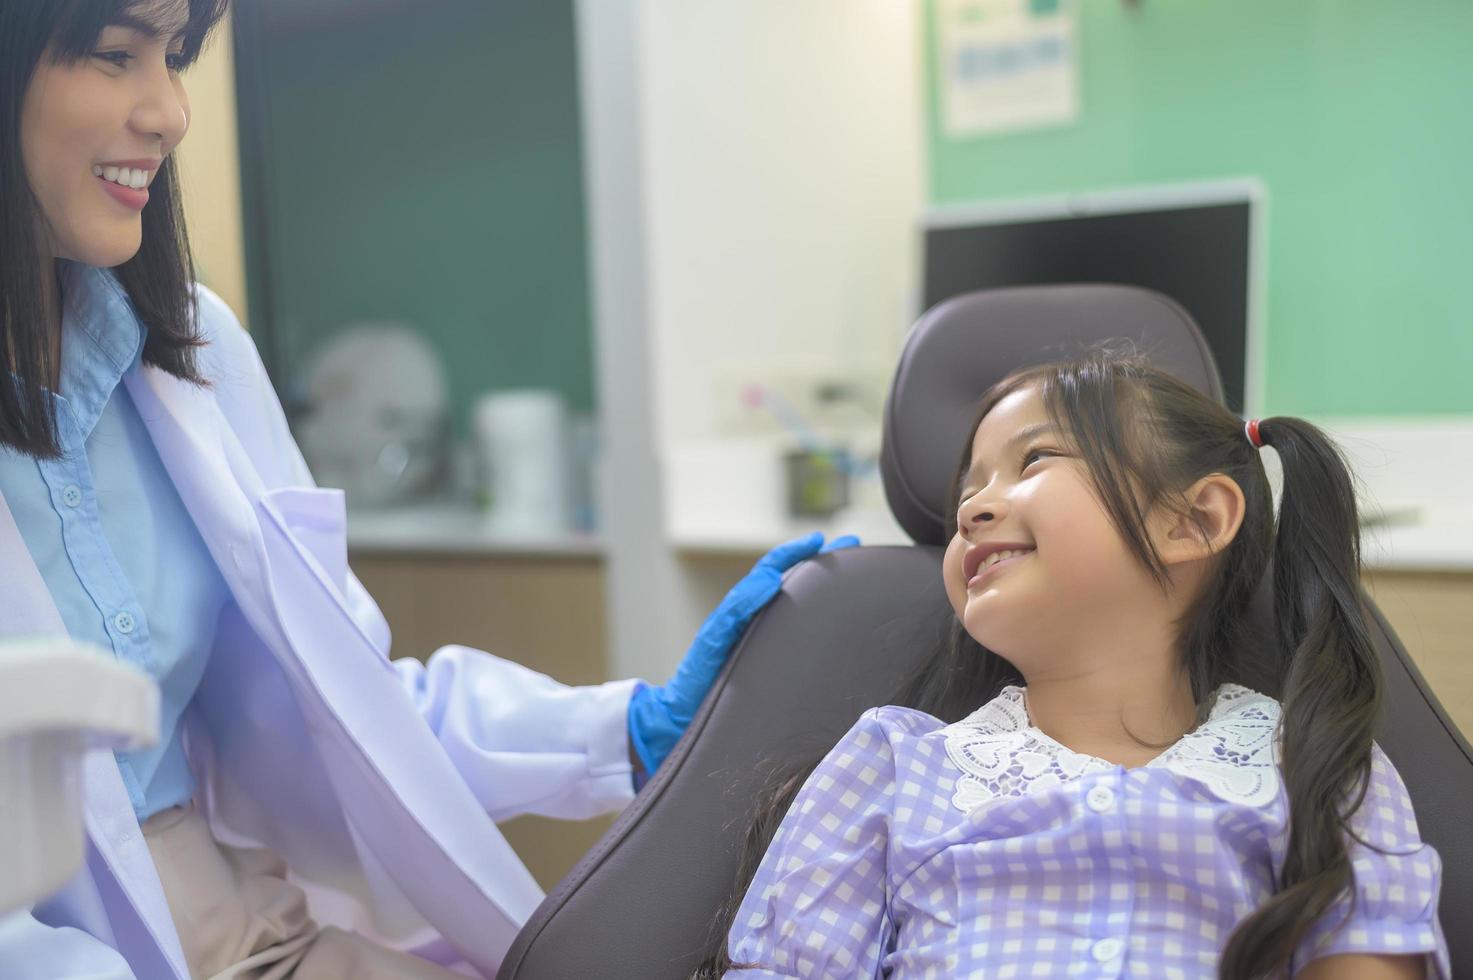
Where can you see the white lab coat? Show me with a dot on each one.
(377, 782)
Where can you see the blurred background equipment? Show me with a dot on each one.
(523, 438)
(818, 482)
(1198, 243)
(375, 420)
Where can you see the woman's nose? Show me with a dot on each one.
(162, 110)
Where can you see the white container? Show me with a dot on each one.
(522, 437)
(59, 699)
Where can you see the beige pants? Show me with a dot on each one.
(240, 919)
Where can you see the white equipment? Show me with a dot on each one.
(59, 699)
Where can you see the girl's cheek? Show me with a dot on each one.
(951, 572)
(1094, 555)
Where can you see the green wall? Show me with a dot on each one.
(1354, 115)
(424, 164)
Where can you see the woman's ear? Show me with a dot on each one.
(1211, 515)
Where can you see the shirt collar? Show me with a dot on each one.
(1233, 753)
(1232, 706)
(101, 340)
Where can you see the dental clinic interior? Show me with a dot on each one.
(588, 304)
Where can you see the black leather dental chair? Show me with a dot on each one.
(849, 626)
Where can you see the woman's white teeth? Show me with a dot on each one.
(126, 176)
(998, 556)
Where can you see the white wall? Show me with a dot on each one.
(641, 571)
(784, 179)
(774, 152)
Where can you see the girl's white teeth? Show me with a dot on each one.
(998, 556)
(126, 176)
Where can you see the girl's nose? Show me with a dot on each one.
(980, 511)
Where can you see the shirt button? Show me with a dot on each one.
(1101, 799)
(71, 495)
(1107, 949)
(124, 623)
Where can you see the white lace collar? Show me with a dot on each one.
(1234, 753)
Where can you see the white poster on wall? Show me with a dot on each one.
(1006, 65)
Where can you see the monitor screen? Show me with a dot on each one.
(1198, 254)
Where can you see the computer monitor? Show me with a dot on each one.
(1197, 243)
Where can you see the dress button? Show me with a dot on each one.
(71, 495)
(1107, 949)
(1101, 799)
(124, 623)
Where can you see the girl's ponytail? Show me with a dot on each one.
(1331, 695)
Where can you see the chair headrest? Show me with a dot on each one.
(963, 346)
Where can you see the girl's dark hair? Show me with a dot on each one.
(1146, 438)
(159, 279)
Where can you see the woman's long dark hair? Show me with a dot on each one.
(159, 279)
(1145, 438)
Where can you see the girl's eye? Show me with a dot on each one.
(176, 62)
(1034, 455)
(117, 59)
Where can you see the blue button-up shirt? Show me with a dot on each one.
(106, 528)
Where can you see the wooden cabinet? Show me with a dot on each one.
(1432, 613)
(546, 613)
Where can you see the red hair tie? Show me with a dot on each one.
(1251, 428)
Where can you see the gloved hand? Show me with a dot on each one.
(659, 715)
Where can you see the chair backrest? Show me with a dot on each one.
(849, 626)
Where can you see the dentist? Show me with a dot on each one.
(314, 809)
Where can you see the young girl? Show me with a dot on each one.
(1119, 804)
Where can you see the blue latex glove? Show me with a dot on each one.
(658, 716)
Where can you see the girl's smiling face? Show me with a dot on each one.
(1065, 570)
(95, 131)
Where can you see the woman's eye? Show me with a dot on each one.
(175, 63)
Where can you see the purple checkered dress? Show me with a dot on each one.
(986, 849)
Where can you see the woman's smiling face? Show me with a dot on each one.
(1035, 559)
(95, 131)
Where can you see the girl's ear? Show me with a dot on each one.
(1212, 514)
